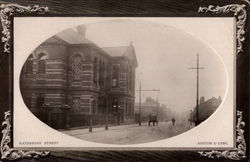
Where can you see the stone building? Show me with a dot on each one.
(206, 109)
(68, 78)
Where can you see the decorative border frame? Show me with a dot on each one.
(8, 10)
(10, 153)
(241, 16)
(239, 152)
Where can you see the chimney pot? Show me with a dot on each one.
(81, 29)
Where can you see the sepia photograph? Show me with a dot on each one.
(123, 82)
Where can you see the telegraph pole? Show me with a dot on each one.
(197, 68)
(157, 105)
(140, 105)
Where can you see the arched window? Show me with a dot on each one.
(29, 65)
(41, 63)
(104, 68)
(115, 75)
(127, 79)
(130, 79)
(100, 73)
(77, 67)
(95, 70)
(108, 75)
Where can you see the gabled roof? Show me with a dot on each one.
(116, 51)
(72, 37)
(127, 51)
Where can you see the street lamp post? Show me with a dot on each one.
(115, 114)
(90, 113)
(106, 119)
(119, 115)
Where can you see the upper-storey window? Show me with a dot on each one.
(77, 67)
(115, 75)
(41, 63)
(102, 70)
(100, 74)
(104, 73)
(130, 79)
(29, 65)
(95, 70)
(127, 77)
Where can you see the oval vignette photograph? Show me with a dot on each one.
(123, 82)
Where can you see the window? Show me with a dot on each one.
(77, 68)
(130, 79)
(104, 68)
(94, 110)
(41, 63)
(95, 70)
(108, 75)
(76, 102)
(29, 65)
(127, 79)
(100, 73)
(115, 76)
(102, 105)
(102, 77)
(40, 101)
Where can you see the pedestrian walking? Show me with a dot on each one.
(173, 121)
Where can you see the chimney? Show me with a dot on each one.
(202, 99)
(81, 30)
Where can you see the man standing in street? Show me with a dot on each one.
(173, 120)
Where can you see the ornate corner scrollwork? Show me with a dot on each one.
(239, 152)
(240, 14)
(10, 153)
(8, 10)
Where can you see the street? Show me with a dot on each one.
(131, 134)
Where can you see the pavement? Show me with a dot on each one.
(130, 134)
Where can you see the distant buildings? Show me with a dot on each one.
(150, 106)
(206, 109)
(68, 77)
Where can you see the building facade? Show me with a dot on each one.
(68, 79)
(206, 109)
(152, 107)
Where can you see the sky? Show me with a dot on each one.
(164, 54)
